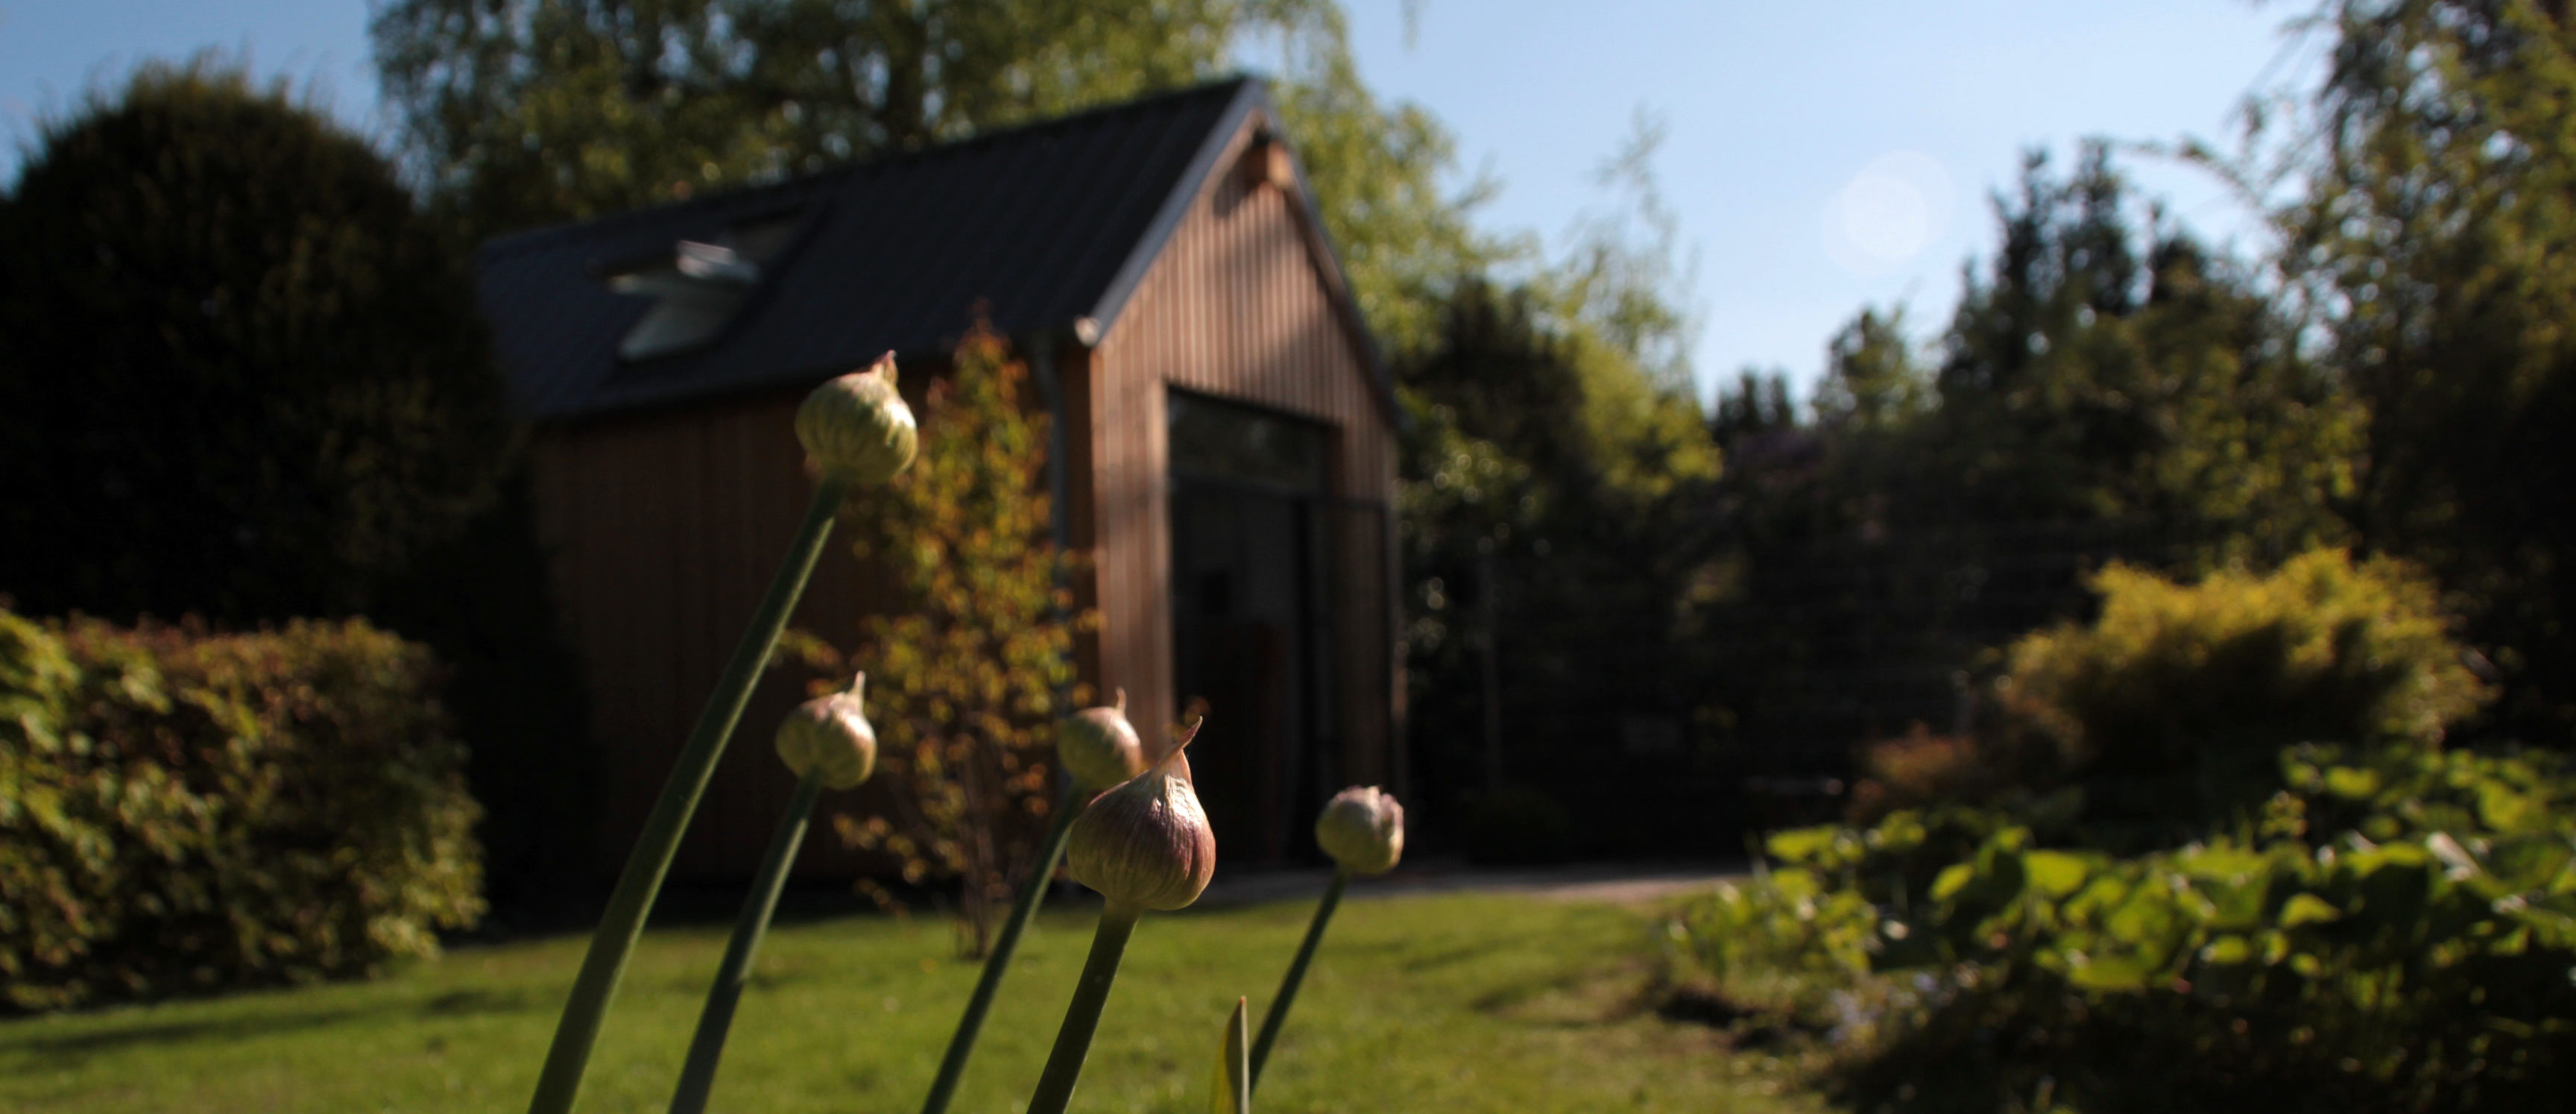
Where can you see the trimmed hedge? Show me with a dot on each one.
(183, 811)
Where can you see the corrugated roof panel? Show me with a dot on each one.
(1034, 223)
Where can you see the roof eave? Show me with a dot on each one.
(1249, 98)
(1253, 98)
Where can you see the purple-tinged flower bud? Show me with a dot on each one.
(1099, 747)
(857, 427)
(1146, 844)
(831, 734)
(1362, 829)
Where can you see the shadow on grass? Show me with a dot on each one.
(165, 1032)
(111, 1035)
(1450, 957)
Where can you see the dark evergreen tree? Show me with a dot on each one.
(1554, 507)
(245, 379)
(2110, 371)
(2107, 388)
(528, 112)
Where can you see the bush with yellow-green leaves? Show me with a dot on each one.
(186, 811)
(2386, 924)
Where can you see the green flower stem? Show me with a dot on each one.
(1025, 908)
(651, 860)
(698, 1074)
(1278, 1015)
(1082, 1018)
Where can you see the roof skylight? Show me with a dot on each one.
(697, 290)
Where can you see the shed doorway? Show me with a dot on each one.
(1250, 647)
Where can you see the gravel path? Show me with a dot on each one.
(1616, 883)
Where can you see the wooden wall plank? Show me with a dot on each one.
(664, 527)
(663, 531)
(1237, 307)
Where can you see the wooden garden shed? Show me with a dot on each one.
(1224, 451)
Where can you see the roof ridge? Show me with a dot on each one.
(509, 244)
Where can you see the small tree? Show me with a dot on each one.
(968, 674)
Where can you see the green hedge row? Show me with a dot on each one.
(182, 811)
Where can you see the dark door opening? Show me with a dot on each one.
(1249, 647)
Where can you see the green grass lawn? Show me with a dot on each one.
(1447, 1003)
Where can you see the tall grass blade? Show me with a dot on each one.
(1231, 1093)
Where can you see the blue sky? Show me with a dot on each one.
(1820, 157)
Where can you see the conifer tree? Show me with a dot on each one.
(245, 379)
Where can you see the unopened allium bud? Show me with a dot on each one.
(1146, 844)
(830, 734)
(1362, 829)
(1099, 747)
(857, 427)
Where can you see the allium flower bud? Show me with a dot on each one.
(1362, 829)
(1099, 747)
(857, 427)
(831, 734)
(1146, 844)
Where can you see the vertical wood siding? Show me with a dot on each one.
(1238, 307)
(663, 528)
(663, 531)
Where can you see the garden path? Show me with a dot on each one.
(1612, 883)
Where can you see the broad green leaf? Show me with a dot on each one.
(2114, 973)
(2308, 909)
(2228, 864)
(1952, 879)
(2350, 783)
(1902, 831)
(2228, 950)
(2530, 862)
(2366, 863)
(2148, 920)
(1799, 845)
(1231, 1091)
(2054, 873)
(2508, 811)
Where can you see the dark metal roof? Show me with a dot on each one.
(1041, 226)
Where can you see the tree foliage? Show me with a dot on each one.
(968, 673)
(245, 379)
(2108, 388)
(2101, 369)
(1550, 503)
(2433, 242)
(533, 111)
(527, 112)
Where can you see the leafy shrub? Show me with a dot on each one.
(2368, 921)
(189, 811)
(968, 672)
(2163, 717)
(1920, 768)
(2416, 953)
(2169, 709)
